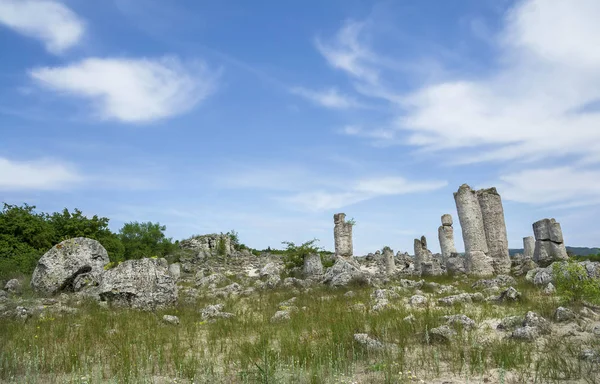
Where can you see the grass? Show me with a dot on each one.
(315, 346)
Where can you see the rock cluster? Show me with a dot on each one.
(549, 243)
(425, 262)
(342, 234)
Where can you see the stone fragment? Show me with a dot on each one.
(532, 319)
(461, 321)
(455, 264)
(550, 289)
(175, 270)
(342, 234)
(372, 344)
(442, 334)
(526, 333)
(344, 272)
(280, 316)
(563, 314)
(510, 294)
(447, 220)
(141, 284)
(510, 322)
(417, 301)
(212, 312)
(495, 229)
(13, 286)
(57, 269)
(170, 319)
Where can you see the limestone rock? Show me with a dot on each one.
(270, 269)
(342, 234)
(170, 319)
(388, 261)
(532, 319)
(549, 242)
(343, 272)
(509, 294)
(141, 284)
(550, 289)
(417, 301)
(460, 320)
(372, 344)
(563, 314)
(510, 322)
(312, 266)
(446, 238)
(526, 333)
(447, 220)
(528, 246)
(495, 229)
(471, 220)
(213, 312)
(57, 269)
(280, 316)
(13, 286)
(443, 334)
(175, 270)
(455, 264)
(479, 264)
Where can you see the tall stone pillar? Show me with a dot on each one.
(549, 242)
(424, 262)
(495, 229)
(388, 261)
(446, 237)
(528, 247)
(342, 235)
(473, 231)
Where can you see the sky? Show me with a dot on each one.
(267, 117)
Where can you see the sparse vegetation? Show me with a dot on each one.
(572, 282)
(295, 254)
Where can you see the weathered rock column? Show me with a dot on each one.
(419, 254)
(528, 247)
(473, 231)
(342, 234)
(388, 261)
(427, 266)
(494, 225)
(446, 237)
(549, 242)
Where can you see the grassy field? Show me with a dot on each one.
(97, 345)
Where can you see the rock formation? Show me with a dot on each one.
(424, 260)
(141, 284)
(528, 247)
(342, 234)
(495, 229)
(67, 261)
(446, 238)
(312, 265)
(549, 242)
(388, 261)
(477, 262)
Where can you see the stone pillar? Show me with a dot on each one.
(424, 262)
(473, 231)
(388, 260)
(549, 243)
(418, 255)
(446, 237)
(342, 234)
(528, 247)
(495, 229)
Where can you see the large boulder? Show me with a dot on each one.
(141, 284)
(313, 265)
(344, 272)
(58, 269)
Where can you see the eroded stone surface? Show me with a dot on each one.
(342, 235)
(495, 229)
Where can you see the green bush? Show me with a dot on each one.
(572, 281)
(294, 255)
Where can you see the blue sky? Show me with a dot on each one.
(268, 117)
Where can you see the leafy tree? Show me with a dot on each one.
(27, 226)
(145, 240)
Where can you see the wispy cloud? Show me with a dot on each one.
(531, 107)
(50, 21)
(329, 98)
(562, 187)
(132, 90)
(41, 174)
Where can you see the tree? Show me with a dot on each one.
(294, 255)
(145, 240)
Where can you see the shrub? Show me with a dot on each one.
(294, 255)
(572, 281)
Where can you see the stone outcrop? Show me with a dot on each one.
(312, 266)
(495, 229)
(207, 245)
(342, 234)
(388, 261)
(58, 269)
(477, 262)
(446, 238)
(528, 247)
(141, 284)
(424, 260)
(344, 272)
(549, 242)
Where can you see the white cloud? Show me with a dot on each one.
(360, 190)
(49, 21)
(132, 90)
(329, 98)
(376, 133)
(532, 106)
(36, 175)
(563, 186)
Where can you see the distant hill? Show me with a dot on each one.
(578, 251)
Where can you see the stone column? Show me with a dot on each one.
(473, 231)
(424, 262)
(388, 260)
(342, 235)
(418, 255)
(528, 247)
(549, 242)
(495, 229)
(446, 237)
